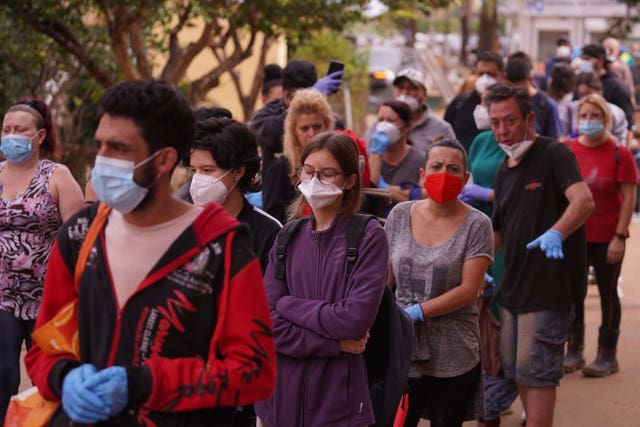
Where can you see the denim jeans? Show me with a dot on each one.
(14, 332)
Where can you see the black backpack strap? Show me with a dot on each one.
(616, 154)
(284, 235)
(353, 234)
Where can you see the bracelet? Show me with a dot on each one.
(621, 236)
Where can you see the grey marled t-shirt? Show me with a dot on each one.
(448, 345)
(405, 171)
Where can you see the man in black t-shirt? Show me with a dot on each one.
(489, 69)
(540, 206)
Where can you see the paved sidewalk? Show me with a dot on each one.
(589, 402)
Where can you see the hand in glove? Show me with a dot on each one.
(473, 192)
(415, 313)
(379, 142)
(110, 385)
(81, 403)
(550, 242)
(330, 83)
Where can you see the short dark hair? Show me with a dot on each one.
(231, 145)
(503, 91)
(518, 69)
(521, 55)
(299, 74)
(563, 79)
(449, 143)
(589, 79)
(401, 109)
(272, 78)
(488, 56)
(595, 50)
(160, 111)
(344, 150)
(50, 147)
(204, 113)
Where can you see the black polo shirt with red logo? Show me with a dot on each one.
(529, 199)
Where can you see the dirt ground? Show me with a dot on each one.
(590, 402)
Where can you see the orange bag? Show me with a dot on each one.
(58, 336)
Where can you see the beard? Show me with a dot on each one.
(147, 180)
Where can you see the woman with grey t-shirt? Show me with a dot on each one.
(440, 249)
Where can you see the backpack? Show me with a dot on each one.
(388, 351)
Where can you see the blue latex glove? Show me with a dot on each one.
(550, 242)
(379, 142)
(382, 184)
(415, 313)
(330, 83)
(473, 192)
(110, 385)
(80, 403)
(490, 289)
(489, 278)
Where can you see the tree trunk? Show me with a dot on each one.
(488, 40)
(410, 32)
(465, 10)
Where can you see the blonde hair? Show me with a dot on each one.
(305, 101)
(599, 102)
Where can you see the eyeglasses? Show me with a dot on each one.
(325, 176)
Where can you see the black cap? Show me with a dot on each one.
(595, 51)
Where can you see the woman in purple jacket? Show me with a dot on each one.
(322, 317)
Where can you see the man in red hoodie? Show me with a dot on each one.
(173, 322)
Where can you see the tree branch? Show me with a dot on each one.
(180, 58)
(199, 87)
(62, 35)
(139, 50)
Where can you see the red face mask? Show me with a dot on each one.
(443, 187)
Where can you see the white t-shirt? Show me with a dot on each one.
(132, 251)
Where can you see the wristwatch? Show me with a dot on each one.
(621, 236)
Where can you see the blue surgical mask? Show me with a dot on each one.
(589, 128)
(112, 180)
(17, 148)
(586, 66)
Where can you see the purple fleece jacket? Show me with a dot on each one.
(317, 385)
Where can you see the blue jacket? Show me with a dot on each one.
(317, 385)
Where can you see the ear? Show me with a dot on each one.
(167, 159)
(42, 136)
(239, 172)
(350, 181)
(465, 178)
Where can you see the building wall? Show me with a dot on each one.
(540, 22)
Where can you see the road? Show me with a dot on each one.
(613, 401)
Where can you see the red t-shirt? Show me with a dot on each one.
(603, 174)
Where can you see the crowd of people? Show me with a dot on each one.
(250, 295)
